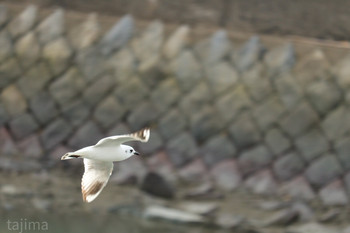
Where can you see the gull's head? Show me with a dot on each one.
(130, 151)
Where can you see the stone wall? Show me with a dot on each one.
(235, 115)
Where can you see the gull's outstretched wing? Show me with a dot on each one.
(95, 178)
(142, 135)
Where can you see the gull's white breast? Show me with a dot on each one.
(106, 153)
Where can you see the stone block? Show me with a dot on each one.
(155, 143)
(226, 175)
(346, 181)
(24, 21)
(23, 125)
(131, 93)
(262, 183)
(221, 77)
(91, 63)
(7, 145)
(6, 47)
(298, 188)
(13, 101)
(3, 115)
(172, 124)
(76, 112)
(43, 107)
(219, 47)
(95, 92)
(254, 158)
(268, 113)
(108, 112)
(30, 147)
(55, 133)
(123, 64)
(277, 141)
(181, 149)
(342, 148)
(166, 94)
(4, 14)
(299, 120)
(176, 42)
(142, 116)
(342, 72)
(334, 194)
(323, 170)
(51, 27)
(28, 50)
(312, 144)
(161, 164)
(289, 90)
(288, 166)
(244, 131)
(119, 129)
(280, 59)
(151, 71)
(196, 99)
(324, 96)
(333, 125)
(87, 135)
(193, 172)
(216, 149)
(10, 70)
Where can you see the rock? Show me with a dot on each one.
(123, 64)
(254, 158)
(41, 204)
(196, 99)
(3, 115)
(226, 175)
(272, 205)
(28, 50)
(135, 86)
(298, 188)
(108, 112)
(219, 47)
(156, 185)
(288, 166)
(4, 14)
(305, 213)
(118, 35)
(193, 172)
(75, 112)
(312, 144)
(51, 27)
(13, 191)
(172, 124)
(43, 107)
(142, 116)
(282, 218)
(95, 92)
(181, 149)
(132, 171)
(161, 164)
(200, 208)
(229, 221)
(342, 148)
(13, 101)
(334, 194)
(342, 72)
(91, 63)
(346, 230)
(280, 59)
(329, 216)
(277, 141)
(23, 125)
(153, 145)
(166, 94)
(173, 215)
(24, 21)
(323, 170)
(289, 90)
(54, 133)
(176, 42)
(10, 70)
(6, 47)
(30, 147)
(312, 228)
(151, 70)
(262, 183)
(333, 125)
(205, 191)
(7, 145)
(216, 149)
(87, 134)
(125, 209)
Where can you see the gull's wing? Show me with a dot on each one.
(142, 135)
(95, 178)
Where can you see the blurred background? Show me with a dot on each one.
(247, 102)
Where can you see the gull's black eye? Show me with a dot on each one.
(130, 150)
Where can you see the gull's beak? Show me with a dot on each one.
(136, 153)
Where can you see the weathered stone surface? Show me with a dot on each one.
(4, 14)
(323, 170)
(3, 115)
(75, 112)
(249, 54)
(219, 47)
(342, 72)
(342, 148)
(289, 90)
(193, 172)
(267, 113)
(13, 101)
(43, 107)
(196, 99)
(96, 91)
(346, 180)
(172, 215)
(280, 59)
(334, 194)
(85, 34)
(155, 143)
(232, 103)
(118, 35)
(226, 175)
(203, 208)
(131, 93)
(176, 42)
(34, 80)
(312, 144)
(288, 166)
(30, 147)
(216, 149)
(55, 133)
(132, 171)
(305, 213)
(23, 125)
(24, 21)
(123, 64)
(181, 149)
(160, 163)
(88, 134)
(166, 94)
(151, 70)
(283, 218)
(186, 69)
(7, 145)
(298, 188)
(230, 222)
(58, 54)
(10, 70)
(108, 112)
(5, 45)
(299, 120)
(277, 141)
(333, 125)
(221, 77)
(28, 49)
(311, 228)
(52, 27)
(255, 158)
(142, 116)
(156, 185)
(262, 183)
(91, 63)
(323, 95)
(172, 124)
(244, 131)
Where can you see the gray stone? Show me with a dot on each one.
(156, 185)
(193, 172)
(91, 63)
(151, 70)
(172, 124)
(186, 69)
(119, 129)
(95, 92)
(342, 72)
(123, 64)
(305, 213)
(58, 55)
(324, 96)
(262, 183)
(108, 112)
(312, 228)
(289, 90)
(249, 54)
(203, 208)
(75, 112)
(334, 194)
(277, 141)
(7, 145)
(51, 27)
(88, 134)
(232, 103)
(333, 125)
(196, 99)
(118, 35)
(131, 93)
(30, 147)
(205, 191)
(216, 149)
(10, 70)
(28, 50)
(255, 158)
(329, 216)
(24, 21)
(244, 131)
(221, 77)
(43, 107)
(268, 113)
(4, 14)
(176, 42)
(282, 218)
(181, 149)
(166, 94)
(3, 115)
(298, 188)
(13, 101)
(23, 125)
(226, 175)
(280, 59)
(205, 123)
(55, 133)
(299, 120)
(34, 80)
(312, 144)
(132, 171)
(342, 148)
(323, 170)
(142, 116)
(155, 143)
(288, 166)
(6, 47)
(346, 180)
(219, 47)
